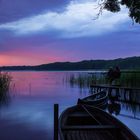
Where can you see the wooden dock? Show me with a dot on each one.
(125, 94)
(100, 87)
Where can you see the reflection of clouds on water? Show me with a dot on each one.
(132, 124)
(44, 84)
(134, 109)
(34, 115)
(35, 93)
(125, 112)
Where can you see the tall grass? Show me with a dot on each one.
(83, 80)
(5, 80)
(127, 79)
(130, 79)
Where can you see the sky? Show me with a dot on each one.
(34, 32)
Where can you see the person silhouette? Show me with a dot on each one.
(110, 76)
(113, 74)
(117, 72)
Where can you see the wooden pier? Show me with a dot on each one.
(125, 94)
(100, 87)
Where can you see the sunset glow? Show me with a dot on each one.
(49, 31)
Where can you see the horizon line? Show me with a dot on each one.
(69, 62)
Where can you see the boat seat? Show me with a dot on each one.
(90, 127)
(78, 115)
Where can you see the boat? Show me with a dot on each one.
(99, 99)
(83, 122)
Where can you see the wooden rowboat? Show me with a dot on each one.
(99, 100)
(82, 122)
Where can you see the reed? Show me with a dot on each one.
(5, 80)
(127, 79)
(130, 79)
(84, 80)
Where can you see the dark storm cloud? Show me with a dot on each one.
(11, 10)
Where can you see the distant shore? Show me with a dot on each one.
(130, 63)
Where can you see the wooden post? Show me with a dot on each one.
(56, 112)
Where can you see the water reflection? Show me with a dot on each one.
(4, 98)
(127, 112)
(128, 100)
(131, 96)
(114, 107)
(33, 95)
(31, 109)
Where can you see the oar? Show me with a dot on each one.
(90, 114)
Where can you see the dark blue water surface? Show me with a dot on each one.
(29, 112)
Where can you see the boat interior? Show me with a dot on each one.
(81, 125)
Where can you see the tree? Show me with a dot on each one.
(115, 6)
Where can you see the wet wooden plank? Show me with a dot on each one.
(89, 135)
(87, 127)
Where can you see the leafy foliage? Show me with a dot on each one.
(115, 6)
(112, 5)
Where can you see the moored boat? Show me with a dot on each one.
(82, 122)
(99, 99)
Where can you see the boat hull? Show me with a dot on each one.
(82, 122)
(99, 100)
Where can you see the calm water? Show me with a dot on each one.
(30, 109)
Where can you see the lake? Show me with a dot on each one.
(29, 112)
